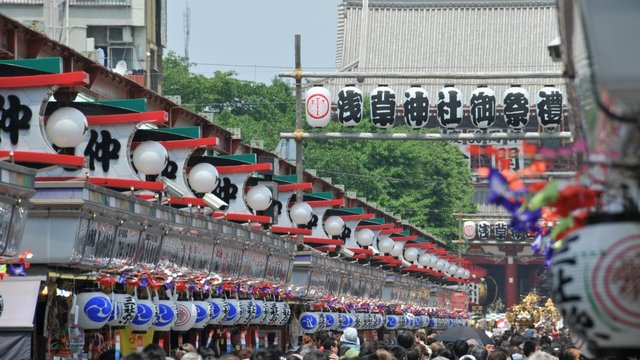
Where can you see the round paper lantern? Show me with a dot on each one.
(233, 315)
(301, 213)
(66, 127)
(440, 265)
(449, 107)
(383, 107)
(146, 313)
(365, 237)
(516, 107)
(260, 313)
(259, 197)
(318, 106)
(203, 178)
(204, 312)
(334, 225)
(248, 311)
(482, 107)
(308, 322)
(331, 321)
(469, 230)
(150, 158)
(94, 310)
(397, 249)
(411, 254)
(343, 321)
(220, 311)
(392, 322)
(273, 313)
(166, 315)
(350, 106)
(418, 322)
(595, 276)
(409, 321)
(549, 105)
(284, 312)
(424, 259)
(467, 274)
(123, 311)
(453, 270)
(385, 245)
(416, 107)
(186, 316)
(460, 273)
(378, 321)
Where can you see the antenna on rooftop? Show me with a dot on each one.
(187, 30)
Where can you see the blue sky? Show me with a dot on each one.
(255, 38)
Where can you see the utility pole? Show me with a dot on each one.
(187, 30)
(299, 130)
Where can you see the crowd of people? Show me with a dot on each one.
(408, 345)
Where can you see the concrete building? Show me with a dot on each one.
(127, 35)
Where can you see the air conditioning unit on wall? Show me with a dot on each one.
(121, 34)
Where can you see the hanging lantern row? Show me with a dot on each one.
(96, 309)
(311, 322)
(449, 107)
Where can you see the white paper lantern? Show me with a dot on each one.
(150, 158)
(595, 275)
(416, 107)
(166, 315)
(332, 321)
(248, 311)
(392, 322)
(259, 197)
(516, 107)
(308, 322)
(440, 264)
(482, 107)
(204, 312)
(449, 106)
(66, 127)
(146, 313)
(94, 310)
(453, 269)
(467, 274)
(124, 310)
(549, 105)
(385, 245)
(284, 313)
(365, 237)
(220, 311)
(460, 273)
(301, 213)
(350, 106)
(469, 230)
(334, 225)
(411, 254)
(383, 107)
(186, 316)
(260, 313)
(318, 106)
(397, 249)
(203, 178)
(273, 313)
(432, 260)
(424, 259)
(234, 313)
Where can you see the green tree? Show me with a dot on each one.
(424, 182)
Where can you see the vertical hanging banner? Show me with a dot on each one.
(449, 107)
(416, 107)
(549, 104)
(318, 106)
(383, 107)
(482, 106)
(350, 106)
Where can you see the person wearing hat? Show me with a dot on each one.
(349, 340)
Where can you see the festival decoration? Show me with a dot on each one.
(416, 107)
(92, 310)
(350, 106)
(15, 267)
(318, 106)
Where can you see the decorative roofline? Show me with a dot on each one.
(439, 4)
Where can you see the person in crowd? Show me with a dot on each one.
(265, 354)
(399, 352)
(442, 353)
(330, 346)
(490, 347)
(350, 354)
(293, 356)
(516, 340)
(154, 352)
(315, 355)
(412, 354)
(460, 348)
(479, 352)
(435, 347)
(424, 351)
(569, 353)
(406, 339)
(207, 353)
(467, 357)
(134, 356)
(498, 354)
(229, 357)
(308, 344)
(528, 348)
(349, 340)
(184, 349)
(191, 356)
(384, 354)
(541, 355)
(320, 337)
(245, 354)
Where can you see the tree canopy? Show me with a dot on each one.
(423, 182)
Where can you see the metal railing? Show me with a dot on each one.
(22, 2)
(101, 2)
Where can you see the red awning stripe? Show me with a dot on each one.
(322, 241)
(290, 230)
(44, 158)
(362, 251)
(321, 203)
(356, 217)
(242, 217)
(375, 227)
(76, 78)
(234, 169)
(126, 183)
(114, 119)
(297, 186)
(391, 231)
(189, 143)
(404, 238)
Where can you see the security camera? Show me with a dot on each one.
(172, 188)
(555, 52)
(214, 202)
